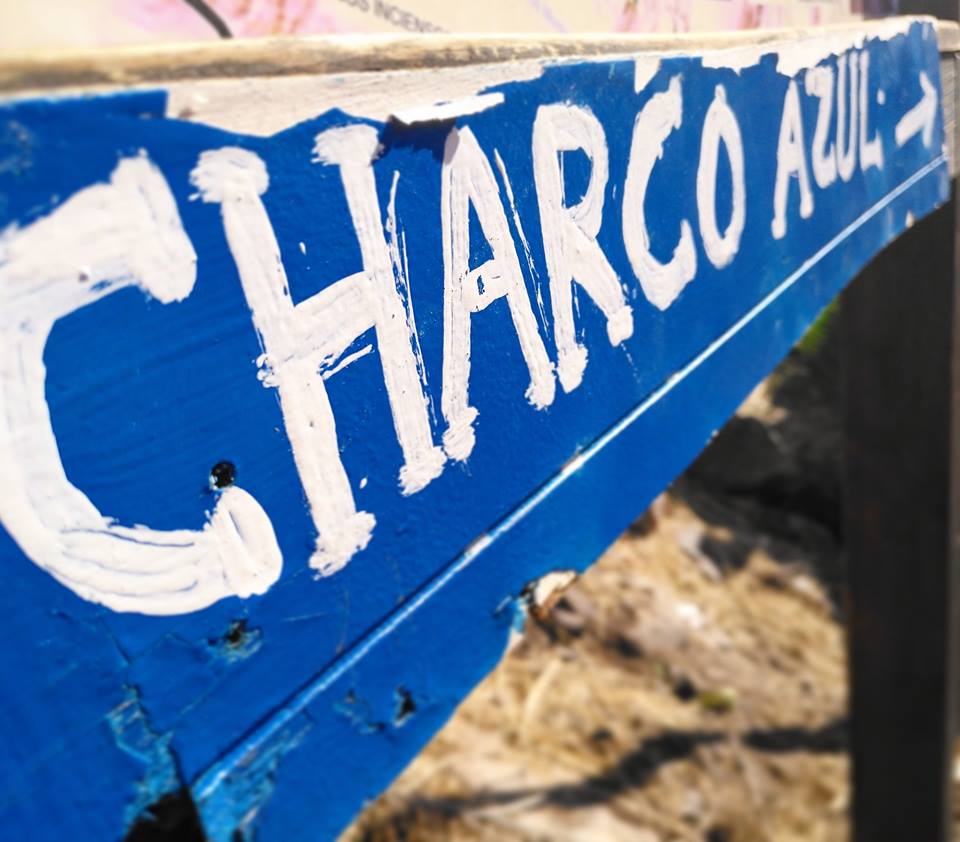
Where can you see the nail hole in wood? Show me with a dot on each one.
(223, 475)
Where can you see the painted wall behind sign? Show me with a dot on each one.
(126, 22)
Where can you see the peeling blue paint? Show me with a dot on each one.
(232, 814)
(238, 643)
(359, 714)
(134, 736)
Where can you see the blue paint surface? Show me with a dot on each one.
(281, 711)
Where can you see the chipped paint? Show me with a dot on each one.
(134, 736)
(447, 111)
(232, 813)
(548, 589)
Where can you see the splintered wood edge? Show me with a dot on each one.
(49, 70)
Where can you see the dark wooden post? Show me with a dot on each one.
(900, 360)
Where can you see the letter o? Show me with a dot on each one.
(719, 126)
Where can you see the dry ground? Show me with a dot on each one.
(663, 697)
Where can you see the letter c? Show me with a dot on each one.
(102, 239)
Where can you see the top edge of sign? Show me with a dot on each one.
(52, 70)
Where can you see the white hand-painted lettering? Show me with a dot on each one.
(303, 341)
(103, 239)
(791, 161)
(847, 103)
(921, 118)
(467, 179)
(818, 82)
(871, 150)
(661, 282)
(128, 233)
(570, 233)
(719, 126)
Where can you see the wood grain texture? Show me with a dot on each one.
(319, 55)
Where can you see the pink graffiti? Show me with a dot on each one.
(245, 18)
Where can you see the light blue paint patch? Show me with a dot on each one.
(232, 814)
(359, 713)
(238, 644)
(134, 736)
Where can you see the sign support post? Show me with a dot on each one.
(901, 364)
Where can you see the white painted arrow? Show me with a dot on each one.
(921, 117)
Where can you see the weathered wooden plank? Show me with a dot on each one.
(60, 69)
(526, 294)
(361, 61)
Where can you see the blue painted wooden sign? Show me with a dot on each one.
(303, 379)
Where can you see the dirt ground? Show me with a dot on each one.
(660, 699)
(691, 686)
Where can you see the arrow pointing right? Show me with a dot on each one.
(921, 117)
